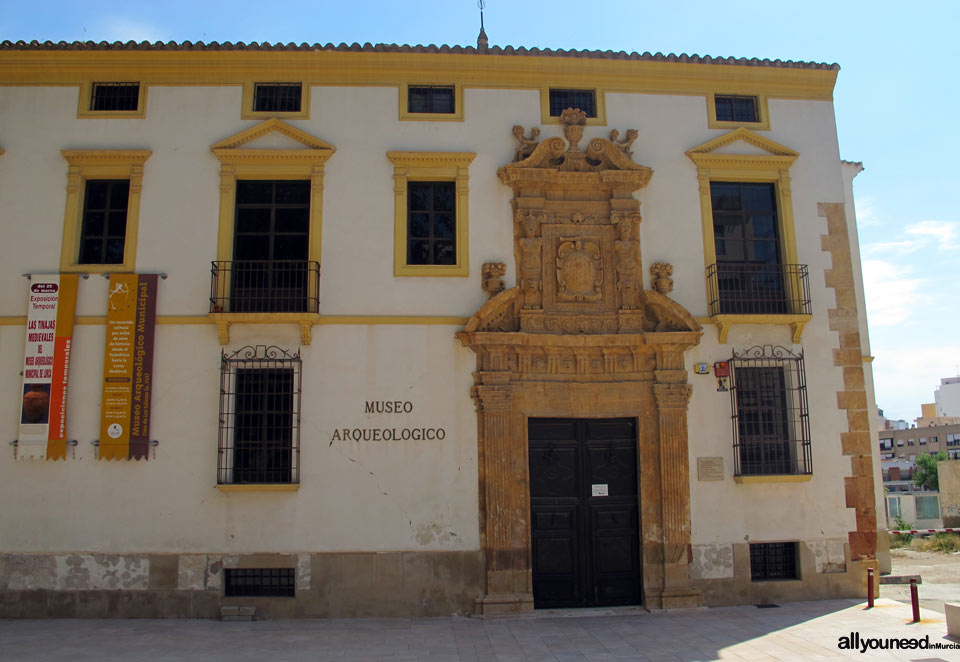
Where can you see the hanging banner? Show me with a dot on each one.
(128, 367)
(51, 305)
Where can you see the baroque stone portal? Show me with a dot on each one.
(580, 337)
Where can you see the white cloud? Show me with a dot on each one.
(945, 233)
(866, 211)
(900, 247)
(124, 29)
(905, 377)
(891, 291)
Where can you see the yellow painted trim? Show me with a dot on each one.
(426, 320)
(763, 110)
(225, 320)
(240, 162)
(101, 164)
(422, 320)
(773, 167)
(802, 478)
(86, 92)
(868, 359)
(260, 487)
(404, 99)
(796, 322)
(599, 99)
(392, 69)
(248, 113)
(431, 166)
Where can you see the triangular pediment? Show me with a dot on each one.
(273, 134)
(749, 143)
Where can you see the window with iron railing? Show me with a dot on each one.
(771, 561)
(115, 96)
(259, 416)
(277, 97)
(561, 99)
(771, 428)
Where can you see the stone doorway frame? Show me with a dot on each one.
(527, 375)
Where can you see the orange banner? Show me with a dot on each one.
(63, 346)
(116, 400)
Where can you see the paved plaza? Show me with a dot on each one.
(795, 631)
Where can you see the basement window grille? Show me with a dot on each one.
(259, 582)
(771, 561)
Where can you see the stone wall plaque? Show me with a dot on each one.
(709, 468)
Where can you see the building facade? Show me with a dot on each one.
(432, 330)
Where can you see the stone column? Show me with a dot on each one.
(672, 401)
(505, 510)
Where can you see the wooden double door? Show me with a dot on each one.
(585, 532)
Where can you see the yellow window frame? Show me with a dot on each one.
(87, 164)
(431, 167)
(404, 100)
(763, 112)
(771, 167)
(598, 99)
(248, 113)
(86, 94)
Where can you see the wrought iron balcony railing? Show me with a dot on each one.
(758, 289)
(264, 286)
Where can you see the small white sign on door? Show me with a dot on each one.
(600, 489)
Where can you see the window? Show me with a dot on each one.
(770, 420)
(923, 440)
(928, 507)
(431, 99)
(277, 97)
(115, 96)
(953, 440)
(259, 417)
(274, 224)
(115, 99)
(886, 443)
(899, 442)
(270, 270)
(911, 442)
(430, 213)
(731, 108)
(104, 226)
(553, 101)
(264, 99)
(750, 250)
(101, 221)
(893, 506)
(585, 100)
(771, 561)
(259, 582)
(728, 111)
(431, 223)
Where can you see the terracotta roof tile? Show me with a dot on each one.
(403, 48)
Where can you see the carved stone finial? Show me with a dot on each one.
(492, 275)
(482, 42)
(661, 273)
(624, 144)
(573, 120)
(525, 146)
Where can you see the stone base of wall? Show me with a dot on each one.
(824, 575)
(191, 585)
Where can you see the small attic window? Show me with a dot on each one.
(732, 108)
(277, 97)
(585, 100)
(439, 99)
(115, 96)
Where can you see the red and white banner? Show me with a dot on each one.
(51, 304)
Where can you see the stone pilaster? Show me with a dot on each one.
(505, 507)
(672, 402)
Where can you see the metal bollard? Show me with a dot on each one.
(869, 588)
(915, 600)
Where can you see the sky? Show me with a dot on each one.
(896, 104)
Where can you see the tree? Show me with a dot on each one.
(926, 474)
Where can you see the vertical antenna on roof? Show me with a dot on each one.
(482, 42)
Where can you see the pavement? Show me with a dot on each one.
(793, 631)
(939, 573)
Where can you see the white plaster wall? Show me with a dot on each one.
(374, 495)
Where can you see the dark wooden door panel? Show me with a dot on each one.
(584, 512)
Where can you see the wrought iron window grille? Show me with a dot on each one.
(259, 582)
(277, 97)
(264, 286)
(772, 561)
(115, 96)
(438, 99)
(758, 289)
(771, 426)
(733, 108)
(585, 100)
(259, 440)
